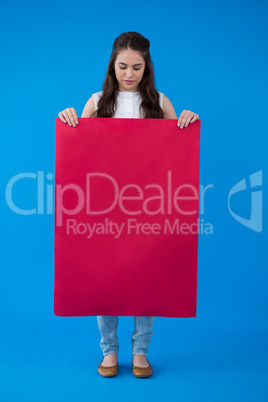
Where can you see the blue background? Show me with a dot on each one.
(209, 57)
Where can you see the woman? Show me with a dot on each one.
(128, 92)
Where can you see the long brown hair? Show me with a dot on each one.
(150, 107)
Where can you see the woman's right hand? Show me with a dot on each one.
(69, 115)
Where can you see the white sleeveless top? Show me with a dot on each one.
(128, 103)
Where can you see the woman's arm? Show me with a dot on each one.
(89, 109)
(185, 118)
(168, 109)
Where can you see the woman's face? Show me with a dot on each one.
(129, 67)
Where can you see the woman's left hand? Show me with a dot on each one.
(187, 117)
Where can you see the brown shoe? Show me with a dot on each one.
(142, 372)
(107, 371)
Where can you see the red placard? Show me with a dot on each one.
(126, 218)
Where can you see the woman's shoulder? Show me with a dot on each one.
(96, 96)
(161, 98)
(97, 93)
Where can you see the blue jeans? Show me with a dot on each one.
(141, 335)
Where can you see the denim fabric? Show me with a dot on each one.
(140, 340)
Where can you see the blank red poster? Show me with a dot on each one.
(126, 218)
